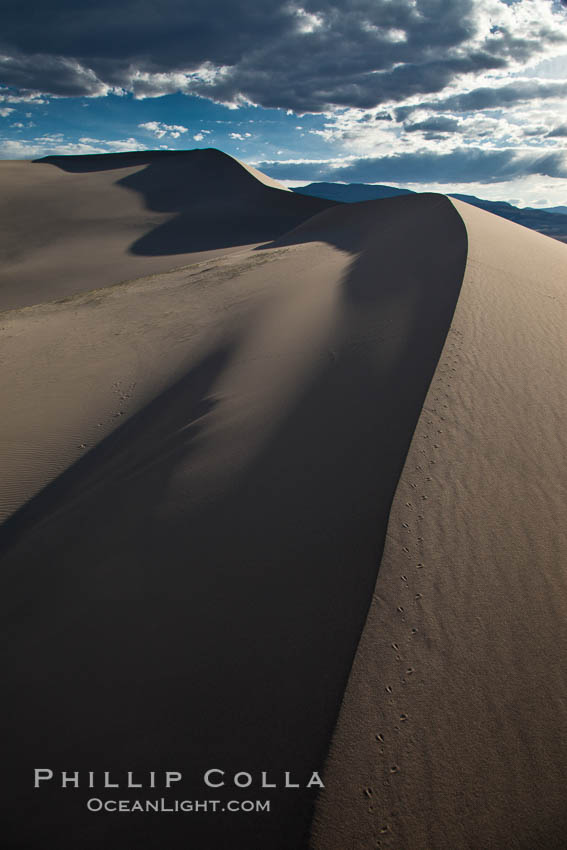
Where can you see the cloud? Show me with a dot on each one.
(159, 130)
(65, 76)
(304, 56)
(49, 144)
(5, 111)
(558, 132)
(489, 97)
(439, 124)
(240, 136)
(31, 98)
(463, 165)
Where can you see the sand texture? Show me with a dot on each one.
(236, 474)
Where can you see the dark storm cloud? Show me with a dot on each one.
(304, 56)
(66, 77)
(498, 97)
(459, 166)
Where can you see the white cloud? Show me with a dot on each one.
(52, 144)
(306, 22)
(159, 130)
(33, 98)
(5, 111)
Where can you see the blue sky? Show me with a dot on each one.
(444, 95)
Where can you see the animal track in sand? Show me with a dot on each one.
(124, 393)
(409, 622)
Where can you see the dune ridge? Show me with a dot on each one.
(192, 586)
(453, 725)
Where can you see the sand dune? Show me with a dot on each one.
(192, 589)
(72, 224)
(200, 470)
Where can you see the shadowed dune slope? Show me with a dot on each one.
(453, 730)
(74, 223)
(190, 593)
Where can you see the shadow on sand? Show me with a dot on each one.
(153, 629)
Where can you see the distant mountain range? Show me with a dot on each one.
(551, 222)
(558, 210)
